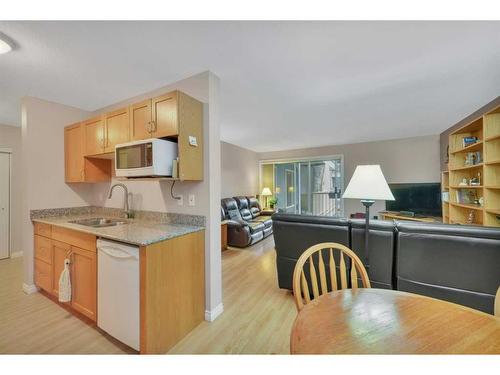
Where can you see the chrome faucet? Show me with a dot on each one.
(128, 213)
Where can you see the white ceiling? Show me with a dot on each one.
(284, 84)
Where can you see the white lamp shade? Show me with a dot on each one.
(266, 192)
(368, 182)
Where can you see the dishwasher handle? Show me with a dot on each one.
(116, 252)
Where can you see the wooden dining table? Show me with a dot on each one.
(379, 321)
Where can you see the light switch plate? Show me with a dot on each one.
(191, 201)
(180, 201)
(193, 141)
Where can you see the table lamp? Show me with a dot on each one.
(266, 192)
(368, 184)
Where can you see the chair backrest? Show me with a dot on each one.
(301, 289)
(497, 303)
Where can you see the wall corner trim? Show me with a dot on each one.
(29, 288)
(211, 315)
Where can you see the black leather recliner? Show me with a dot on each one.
(243, 229)
(380, 262)
(295, 233)
(456, 263)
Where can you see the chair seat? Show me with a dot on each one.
(256, 226)
(266, 220)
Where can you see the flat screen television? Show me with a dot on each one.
(423, 199)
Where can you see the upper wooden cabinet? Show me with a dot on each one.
(77, 167)
(73, 152)
(140, 120)
(116, 129)
(164, 115)
(174, 115)
(94, 136)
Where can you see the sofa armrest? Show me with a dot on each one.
(238, 223)
(267, 212)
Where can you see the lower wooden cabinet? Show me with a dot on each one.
(50, 255)
(43, 275)
(59, 252)
(83, 281)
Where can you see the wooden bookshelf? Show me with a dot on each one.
(460, 208)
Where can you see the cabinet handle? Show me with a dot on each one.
(154, 126)
(148, 127)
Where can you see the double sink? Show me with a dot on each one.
(99, 222)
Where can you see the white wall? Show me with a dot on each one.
(10, 137)
(402, 160)
(240, 171)
(43, 149)
(43, 167)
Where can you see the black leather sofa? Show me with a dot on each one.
(460, 264)
(247, 222)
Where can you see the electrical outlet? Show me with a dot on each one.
(191, 200)
(180, 201)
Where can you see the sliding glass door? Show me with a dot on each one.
(307, 187)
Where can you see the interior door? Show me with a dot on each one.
(4, 205)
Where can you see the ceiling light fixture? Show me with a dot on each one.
(6, 44)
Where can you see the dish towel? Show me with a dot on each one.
(65, 283)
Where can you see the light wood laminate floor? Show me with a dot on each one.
(257, 316)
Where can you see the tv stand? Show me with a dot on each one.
(391, 215)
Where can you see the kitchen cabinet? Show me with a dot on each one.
(164, 115)
(53, 245)
(140, 120)
(117, 129)
(60, 251)
(77, 166)
(73, 152)
(84, 282)
(174, 115)
(94, 136)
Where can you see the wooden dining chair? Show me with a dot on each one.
(497, 303)
(301, 285)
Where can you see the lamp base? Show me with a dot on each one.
(367, 203)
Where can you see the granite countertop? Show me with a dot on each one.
(136, 232)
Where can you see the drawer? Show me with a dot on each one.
(43, 275)
(43, 249)
(43, 229)
(82, 240)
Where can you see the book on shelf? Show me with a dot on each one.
(467, 141)
(445, 196)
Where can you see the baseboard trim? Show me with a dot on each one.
(29, 288)
(211, 315)
(16, 254)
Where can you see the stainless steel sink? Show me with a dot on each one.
(99, 222)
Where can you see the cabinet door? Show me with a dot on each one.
(83, 282)
(43, 275)
(117, 128)
(73, 153)
(140, 120)
(60, 251)
(94, 136)
(165, 115)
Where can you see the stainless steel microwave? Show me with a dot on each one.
(144, 158)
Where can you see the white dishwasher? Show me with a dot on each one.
(118, 291)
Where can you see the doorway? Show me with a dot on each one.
(5, 166)
(311, 186)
